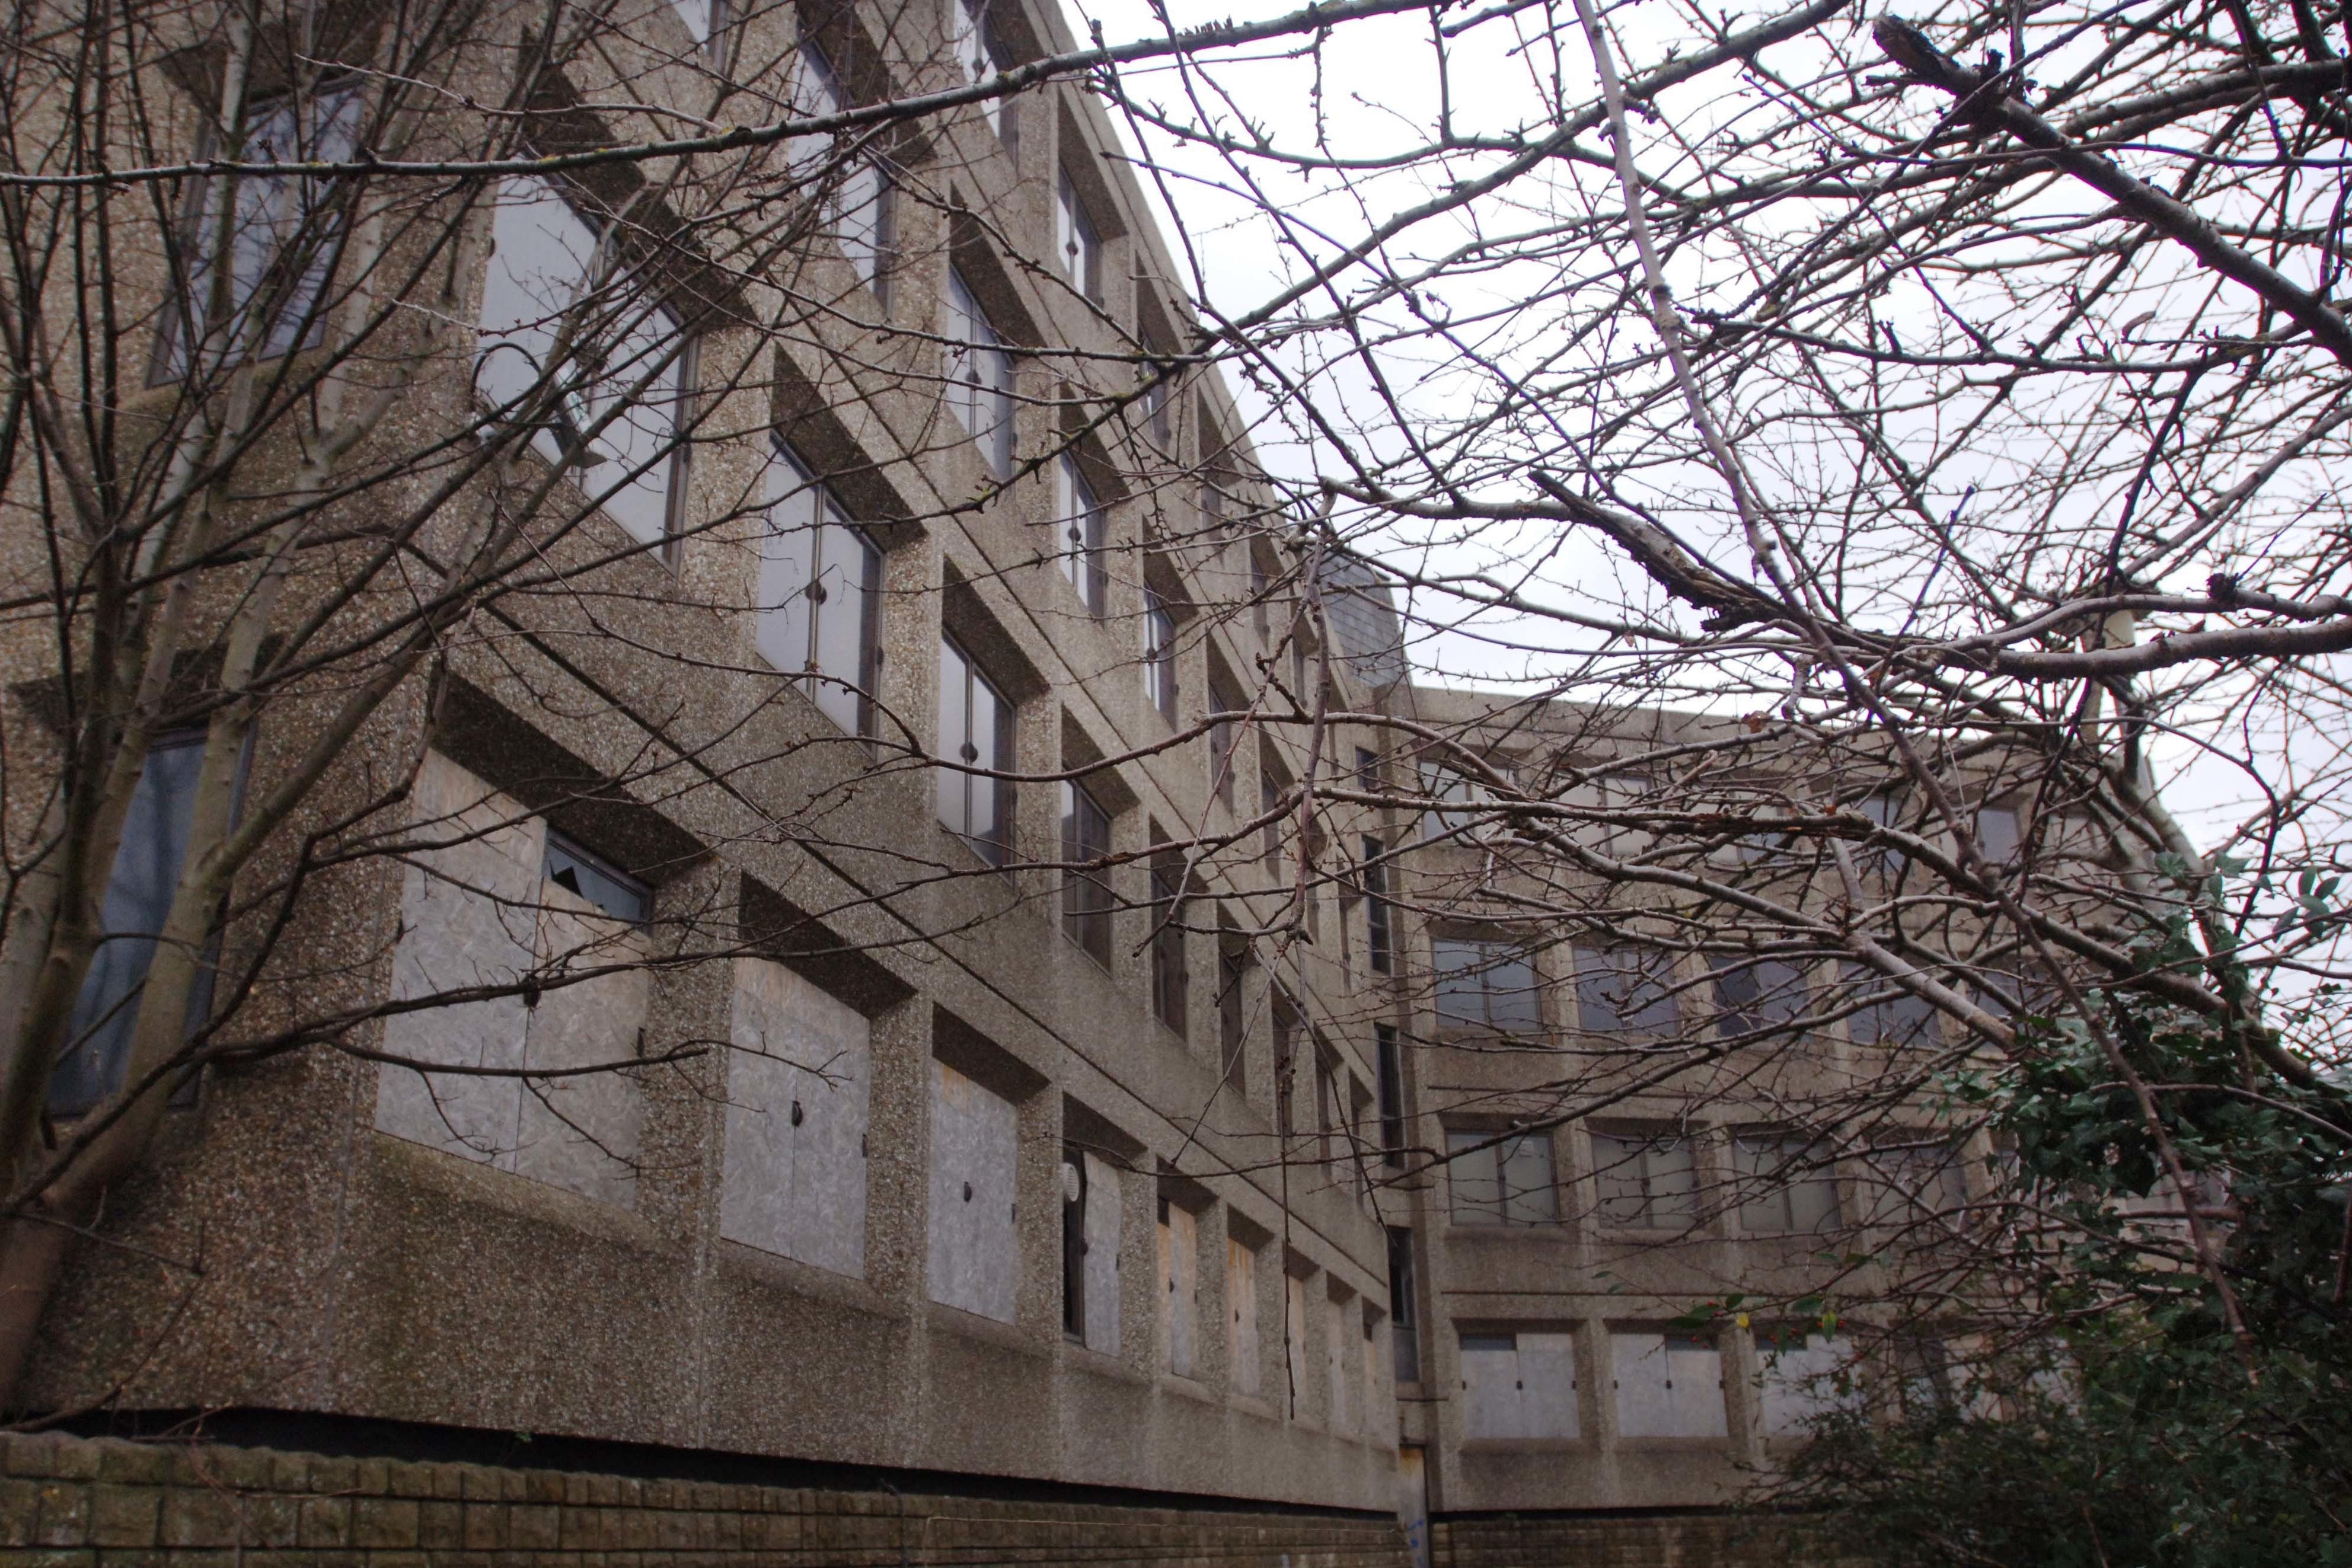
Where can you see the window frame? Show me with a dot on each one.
(813, 678)
(1510, 1201)
(1490, 958)
(1172, 976)
(1078, 241)
(562, 437)
(1159, 681)
(1659, 1010)
(174, 356)
(1388, 1068)
(1082, 526)
(1761, 1160)
(1659, 1208)
(1086, 903)
(969, 338)
(868, 256)
(996, 851)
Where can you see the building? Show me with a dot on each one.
(1019, 1088)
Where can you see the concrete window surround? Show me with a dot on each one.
(478, 908)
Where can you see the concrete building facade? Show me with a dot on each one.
(972, 1137)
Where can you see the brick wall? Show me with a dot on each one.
(95, 1504)
(1618, 1541)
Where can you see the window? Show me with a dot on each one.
(1391, 1069)
(1914, 1179)
(1502, 1180)
(979, 377)
(1403, 1320)
(1799, 1380)
(1997, 836)
(1261, 596)
(281, 240)
(1269, 805)
(1286, 1028)
(578, 873)
(1075, 242)
(1233, 1019)
(975, 731)
(1647, 1182)
(703, 18)
(1668, 1385)
(1159, 655)
(1090, 1226)
(1241, 1301)
(1294, 1328)
(1338, 1348)
(610, 407)
(975, 1256)
(140, 891)
(1891, 1017)
(1484, 985)
(858, 205)
(1179, 1250)
(1159, 380)
(798, 1079)
(1379, 939)
(1787, 1186)
(1625, 990)
(1754, 995)
(1171, 980)
(1078, 517)
(1880, 862)
(1465, 803)
(1085, 894)
(975, 57)
(820, 577)
(1519, 1387)
(1221, 742)
(496, 901)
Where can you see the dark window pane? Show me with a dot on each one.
(139, 895)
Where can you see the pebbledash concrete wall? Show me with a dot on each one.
(69, 1502)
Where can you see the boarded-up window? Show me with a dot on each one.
(1505, 1181)
(797, 1086)
(1241, 1302)
(1668, 1385)
(1294, 1329)
(1798, 1382)
(974, 1256)
(1519, 1385)
(1338, 1352)
(1180, 1316)
(1090, 1240)
(485, 907)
